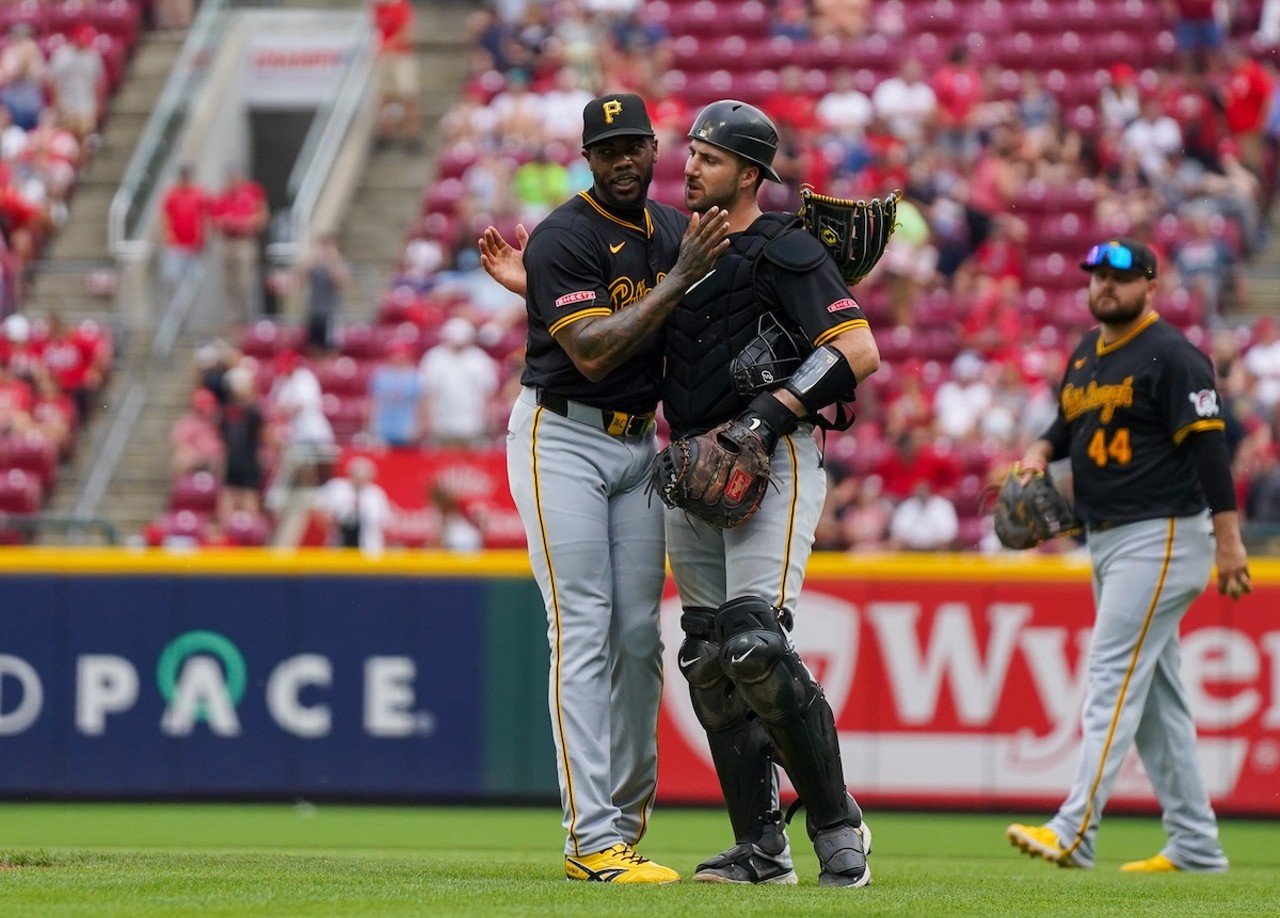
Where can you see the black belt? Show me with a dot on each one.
(614, 423)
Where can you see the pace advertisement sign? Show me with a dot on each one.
(967, 692)
(155, 686)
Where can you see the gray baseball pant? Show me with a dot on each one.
(596, 548)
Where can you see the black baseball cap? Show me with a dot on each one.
(615, 115)
(1123, 254)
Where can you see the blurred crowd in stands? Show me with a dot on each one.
(59, 62)
(1019, 133)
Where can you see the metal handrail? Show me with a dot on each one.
(320, 149)
(167, 120)
(39, 522)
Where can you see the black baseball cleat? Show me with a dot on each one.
(842, 855)
(767, 861)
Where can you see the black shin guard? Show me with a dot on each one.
(778, 687)
(740, 745)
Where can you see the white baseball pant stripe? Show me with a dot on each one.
(596, 548)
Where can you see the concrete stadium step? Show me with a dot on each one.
(388, 201)
(59, 282)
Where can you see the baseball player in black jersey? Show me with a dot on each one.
(751, 691)
(1141, 422)
(754, 696)
(604, 271)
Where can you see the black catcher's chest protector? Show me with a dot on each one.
(712, 324)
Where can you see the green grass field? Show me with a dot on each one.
(163, 859)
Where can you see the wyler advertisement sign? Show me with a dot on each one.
(966, 691)
(245, 685)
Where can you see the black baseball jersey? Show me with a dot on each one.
(582, 261)
(791, 276)
(1124, 414)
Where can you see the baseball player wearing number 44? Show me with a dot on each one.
(754, 350)
(1140, 420)
(604, 271)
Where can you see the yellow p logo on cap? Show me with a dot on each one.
(612, 109)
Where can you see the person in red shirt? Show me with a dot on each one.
(399, 116)
(957, 85)
(72, 362)
(1246, 98)
(240, 214)
(185, 210)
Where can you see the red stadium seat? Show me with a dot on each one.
(263, 340)
(444, 197)
(1034, 16)
(938, 17)
(359, 342)
(117, 18)
(246, 530)
(197, 492)
(33, 453)
(971, 532)
(348, 416)
(29, 12)
(19, 492)
(344, 376)
(1051, 272)
(179, 528)
(456, 160)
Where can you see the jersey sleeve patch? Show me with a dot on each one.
(1205, 403)
(841, 305)
(578, 296)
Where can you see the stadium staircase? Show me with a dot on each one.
(63, 279)
(372, 236)
(1262, 278)
(389, 199)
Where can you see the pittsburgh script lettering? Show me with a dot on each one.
(1093, 397)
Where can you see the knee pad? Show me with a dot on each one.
(756, 656)
(715, 702)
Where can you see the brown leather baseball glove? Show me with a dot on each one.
(1027, 515)
(719, 476)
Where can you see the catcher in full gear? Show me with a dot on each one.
(739, 561)
(754, 351)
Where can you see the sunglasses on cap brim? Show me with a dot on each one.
(1113, 255)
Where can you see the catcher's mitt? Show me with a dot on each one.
(855, 232)
(719, 476)
(1027, 515)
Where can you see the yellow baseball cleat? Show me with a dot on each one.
(1040, 841)
(619, 864)
(1157, 864)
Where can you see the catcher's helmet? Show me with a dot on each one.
(739, 128)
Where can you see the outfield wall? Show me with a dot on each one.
(955, 680)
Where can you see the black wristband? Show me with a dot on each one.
(781, 419)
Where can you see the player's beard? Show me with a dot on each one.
(631, 196)
(700, 198)
(1113, 308)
